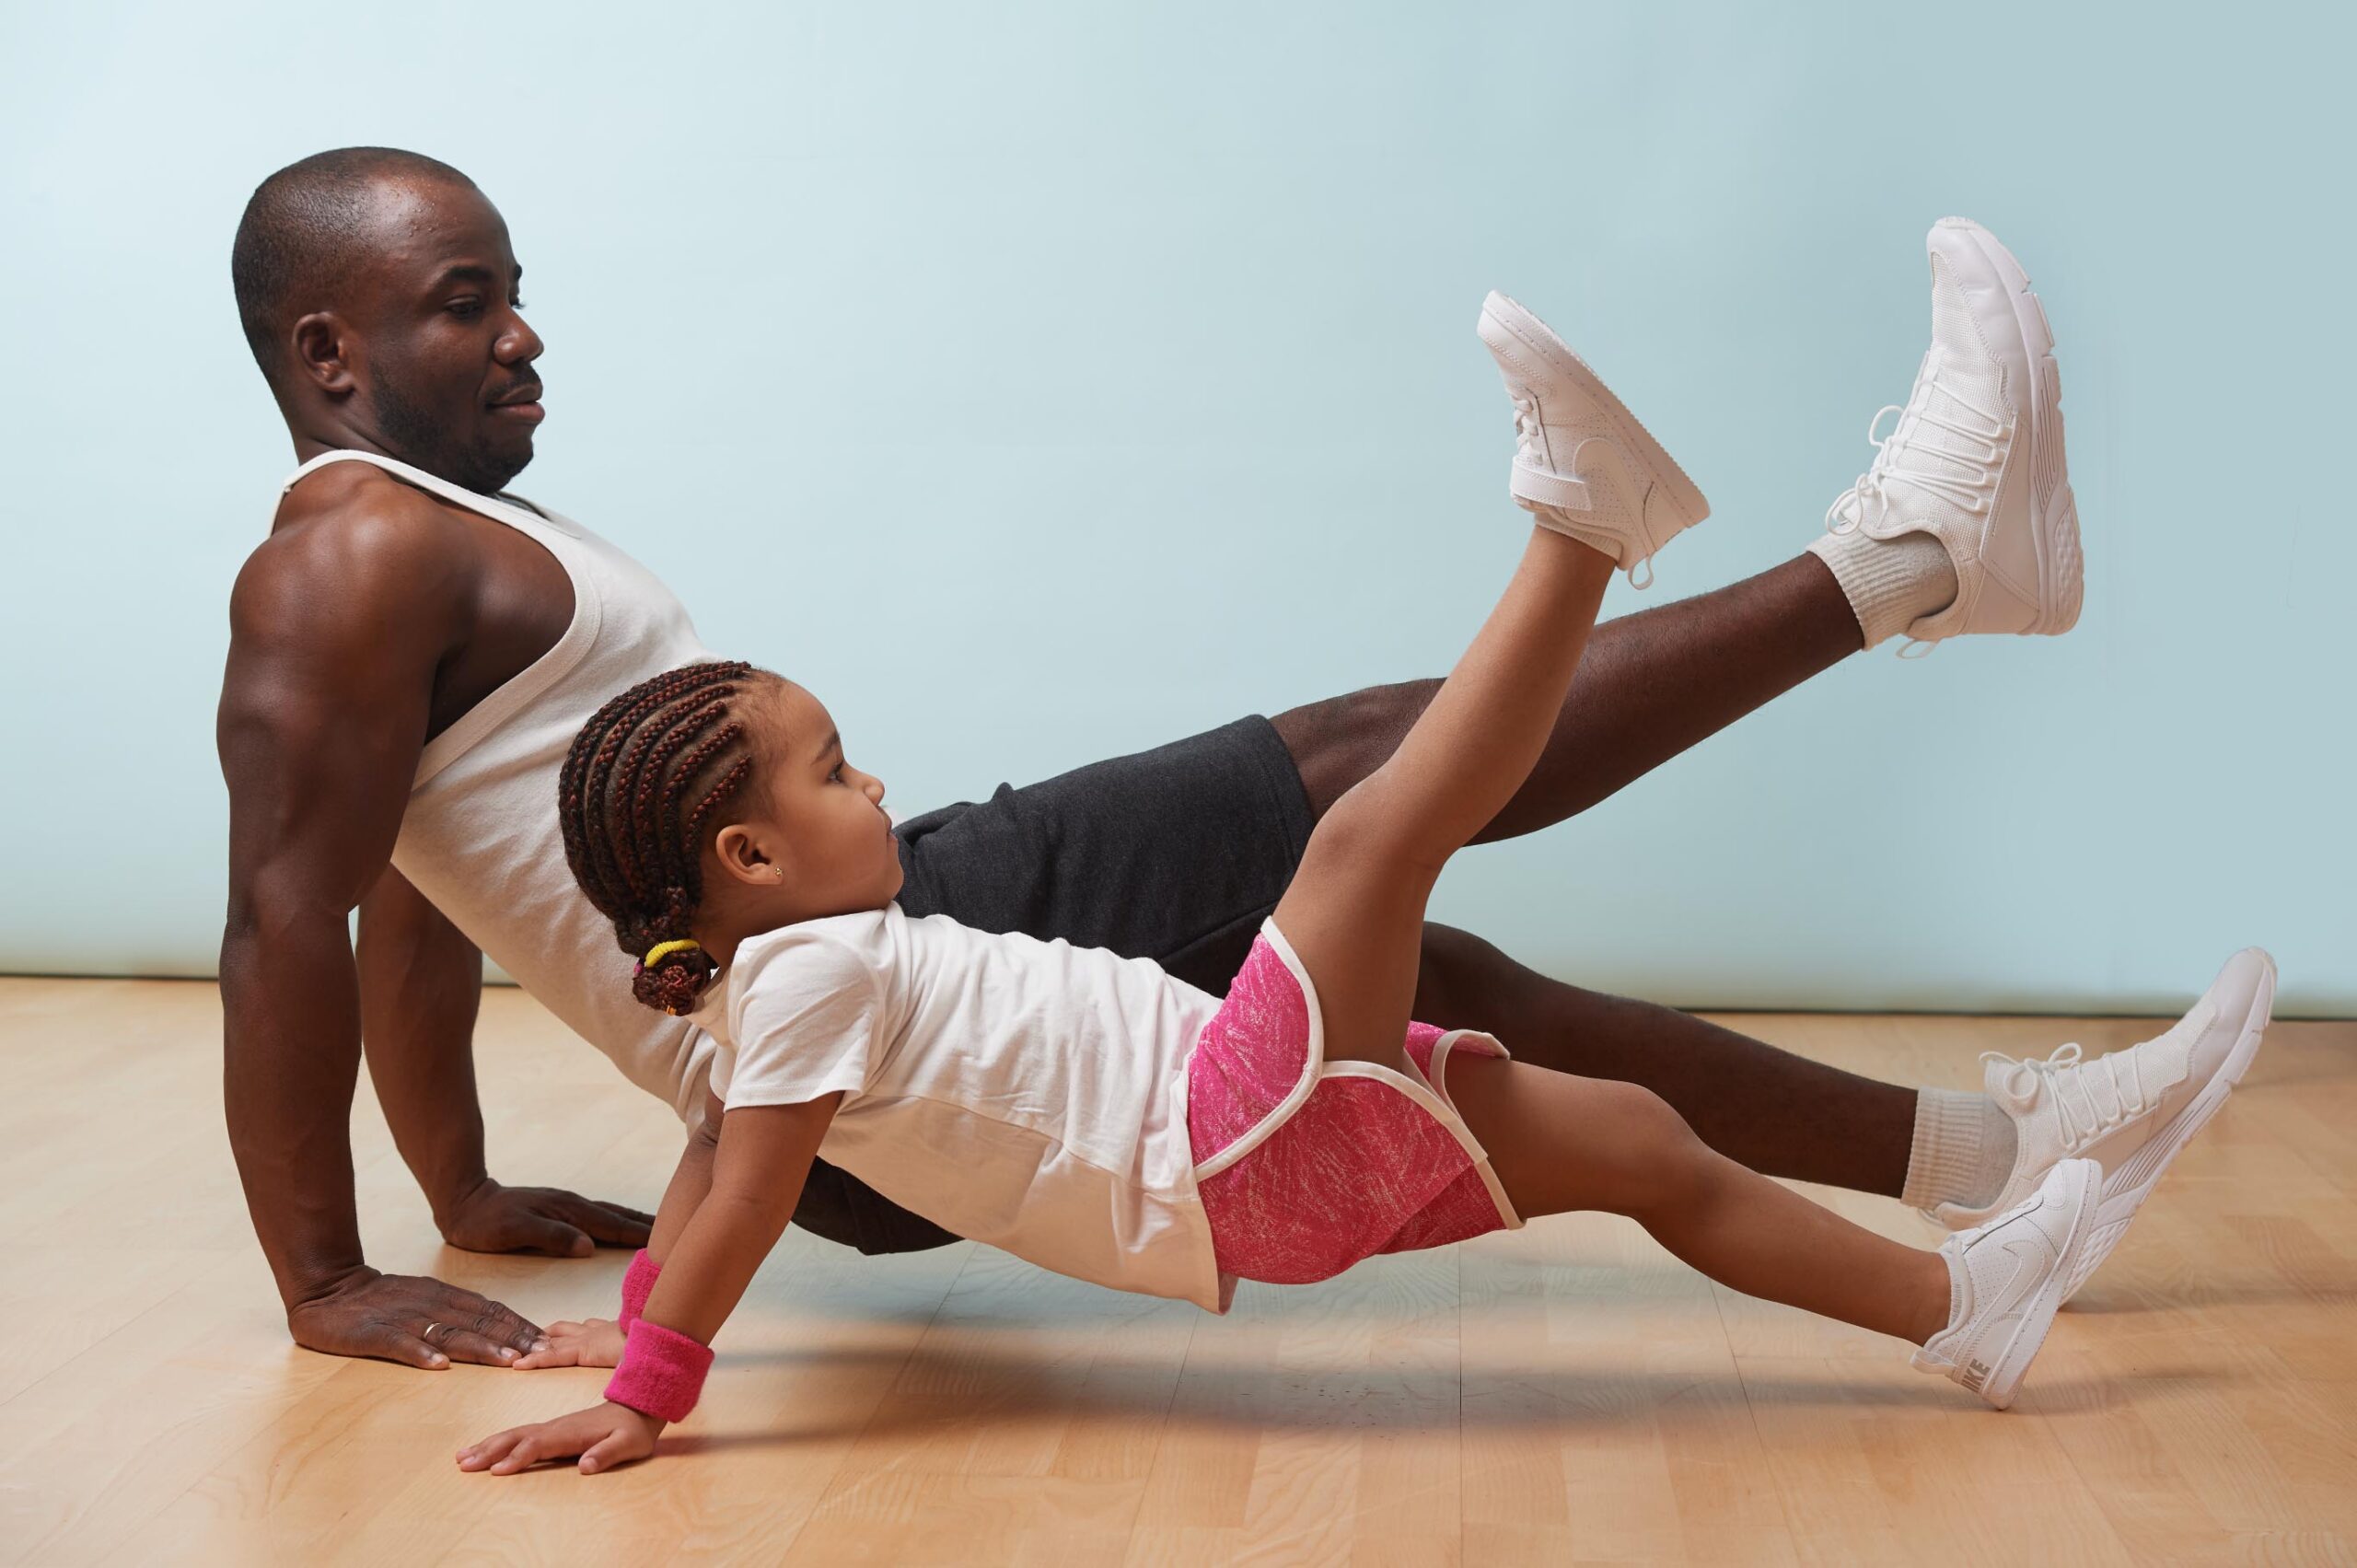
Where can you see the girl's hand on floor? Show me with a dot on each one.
(596, 1341)
(608, 1435)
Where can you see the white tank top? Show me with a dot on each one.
(479, 838)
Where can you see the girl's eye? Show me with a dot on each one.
(837, 777)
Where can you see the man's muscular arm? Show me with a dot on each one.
(421, 982)
(336, 630)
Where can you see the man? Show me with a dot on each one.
(411, 650)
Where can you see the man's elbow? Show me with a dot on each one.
(283, 912)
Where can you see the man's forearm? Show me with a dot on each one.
(291, 1004)
(421, 988)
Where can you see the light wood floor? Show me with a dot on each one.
(1567, 1394)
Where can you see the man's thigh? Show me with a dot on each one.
(1174, 854)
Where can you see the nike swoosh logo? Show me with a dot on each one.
(2029, 1258)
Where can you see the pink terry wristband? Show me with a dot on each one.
(637, 1285)
(662, 1372)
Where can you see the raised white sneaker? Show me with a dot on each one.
(1975, 457)
(2132, 1110)
(2006, 1280)
(1583, 463)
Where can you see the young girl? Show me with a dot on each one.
(1101, 1119)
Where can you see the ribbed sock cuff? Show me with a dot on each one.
(1962, 1150)
(1890, 583)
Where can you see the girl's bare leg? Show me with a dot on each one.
(1354, 912)
(1559, 1143)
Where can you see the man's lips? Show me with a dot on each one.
(523, 403)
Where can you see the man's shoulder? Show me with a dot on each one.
(352, 543)
(359, 508)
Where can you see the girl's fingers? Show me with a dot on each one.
(606, 1452)
(489, 1450)
(525, 1455)
(563, 1346)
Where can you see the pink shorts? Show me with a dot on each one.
(1306, 1165)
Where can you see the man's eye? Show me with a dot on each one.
(466, 307)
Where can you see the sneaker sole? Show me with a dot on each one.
(2126, 1192)
(2029, 1336)
(2054, 529)
(1526, 331)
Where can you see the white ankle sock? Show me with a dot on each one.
(1890, 583)
(1963, 1153)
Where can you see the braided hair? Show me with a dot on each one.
(638, 788)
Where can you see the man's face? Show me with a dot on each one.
(446, 369)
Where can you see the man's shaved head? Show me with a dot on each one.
(381, 295)
(304, 230)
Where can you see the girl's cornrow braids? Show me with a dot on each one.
(682, 866)
(651, 721)
(585, 782)
(619, 794)
(639, 797)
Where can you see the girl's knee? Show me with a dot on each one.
(1662, 1164)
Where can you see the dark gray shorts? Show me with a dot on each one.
(1174, 854)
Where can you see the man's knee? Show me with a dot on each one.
(1337, 742)
(1463, 983)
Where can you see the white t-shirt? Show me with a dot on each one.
(1025, 1094)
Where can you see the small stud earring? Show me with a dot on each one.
(777, 873)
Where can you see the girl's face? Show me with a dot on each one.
(810, 839)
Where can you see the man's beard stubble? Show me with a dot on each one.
(420, 438)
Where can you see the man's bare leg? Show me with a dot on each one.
(1780, 1114)
(1650, 685)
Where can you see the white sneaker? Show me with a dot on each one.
(2130, 1111)
(1584, 465)
(1975, 457)
(2007, 1278)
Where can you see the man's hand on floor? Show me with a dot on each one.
(595, 1341)
(492, 1218)
(414, 1321)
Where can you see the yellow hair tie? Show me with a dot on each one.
(663, 951)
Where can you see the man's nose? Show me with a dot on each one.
(519, 344)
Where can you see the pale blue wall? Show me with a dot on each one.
(1041, 382)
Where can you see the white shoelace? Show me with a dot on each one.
(1969, 490)
(1526, 421)
(2110, 1090)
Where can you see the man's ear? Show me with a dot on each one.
(326, 353)
(740, 850)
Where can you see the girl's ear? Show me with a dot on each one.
(743, 856)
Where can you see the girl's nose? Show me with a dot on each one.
(875, 789)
